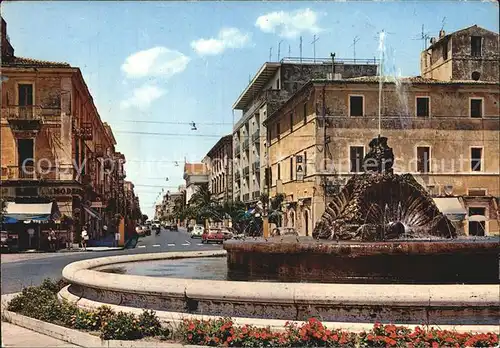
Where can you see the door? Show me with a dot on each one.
(25, 158)
(25, 101)
(477, 228)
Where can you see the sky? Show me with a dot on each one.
(179, 62)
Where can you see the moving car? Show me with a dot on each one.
(217, 235)
(197, 231)
(156, 225)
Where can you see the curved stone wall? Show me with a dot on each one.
(360, 303)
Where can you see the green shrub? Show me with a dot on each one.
(38, 303)
(122, 326)
(149, 323)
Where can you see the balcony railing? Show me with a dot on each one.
(256, 136)
(29, 113)
(255, 194)
(31, 173)
(237, 150)
(237, 175)
(246, 145)
(246, 197)
(246, 171)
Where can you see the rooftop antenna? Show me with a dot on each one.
(300, 47)
(443, 23)
(315, 39)
(289, 51)
(424, 37)
(270, 54)
(354, 41)
(279, 49)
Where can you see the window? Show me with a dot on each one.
(279, 171)
(25, 157)
(477, 223)
(304, 113)
(476, 107)
(423, 106)
(25, 93)
(445, 51)
(423, 159)
(356, 105)
(278, 84)
(476, 159)
(476, 192)
(291, 168)
(278, 131)
(475, 46)
(356, 154)
(291, 122)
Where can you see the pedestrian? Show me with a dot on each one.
(85, 237)
(52, 239)
(117, 238)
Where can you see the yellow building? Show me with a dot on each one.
(446, 133)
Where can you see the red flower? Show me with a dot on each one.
(435, 345)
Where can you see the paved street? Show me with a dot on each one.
(20, 270)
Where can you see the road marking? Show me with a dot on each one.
(188, 242)
(141, 246)
(171, 244)
(156, 245)
(200, 244)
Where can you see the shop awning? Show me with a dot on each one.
(15, 212)
(450, 206)
(92, 213)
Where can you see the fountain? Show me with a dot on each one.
(382, 251)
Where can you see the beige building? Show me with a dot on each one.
(219, 164)
(273, 84)
(195, 174)
(446, 133)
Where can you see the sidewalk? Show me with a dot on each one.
(16, 336)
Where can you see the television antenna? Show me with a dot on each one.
(424, 37)
(354, 41)
(315, 39)
(270, 53)
(300, 48)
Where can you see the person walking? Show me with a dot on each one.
(52, 240)
(117, 238)
(85, 237)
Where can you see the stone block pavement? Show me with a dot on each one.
(16, 336)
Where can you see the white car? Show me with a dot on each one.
(197, 231)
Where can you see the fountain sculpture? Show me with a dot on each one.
(380, 205)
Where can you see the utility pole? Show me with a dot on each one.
(354, 41)
(314, 46)
(300, 48)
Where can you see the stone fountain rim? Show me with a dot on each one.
(83, 273)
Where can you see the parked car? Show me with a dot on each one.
(167, 226)
(174, 227)
(140, 230)
(197, 231)
(215, 235)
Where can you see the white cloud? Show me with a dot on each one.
(142, 97)
(227, 38)
(289, 24)
(157, 61)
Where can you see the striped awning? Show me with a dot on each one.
(18, 212)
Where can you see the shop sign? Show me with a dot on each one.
(60, 191)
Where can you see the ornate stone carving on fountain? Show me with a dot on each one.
(381, 205)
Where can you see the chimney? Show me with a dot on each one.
(7, 49)
(441, 33)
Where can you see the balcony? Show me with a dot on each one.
(246, 145)
(256, 136)
(237, 150)
(246, 197)
(256, 195)
(256, 167)
(246, 171)
(237, 175)
(30, 173)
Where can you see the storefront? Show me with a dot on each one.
(27, 225)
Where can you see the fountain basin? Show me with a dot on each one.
(348, 303)
(438, 261)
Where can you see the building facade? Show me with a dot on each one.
(195, 174)
(273, 84)
(445, 133)
(55, 147)
(219, 164)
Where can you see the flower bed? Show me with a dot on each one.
(41, 303)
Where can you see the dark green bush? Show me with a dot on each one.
(149, 323)
(122, 326)
(38, 303)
